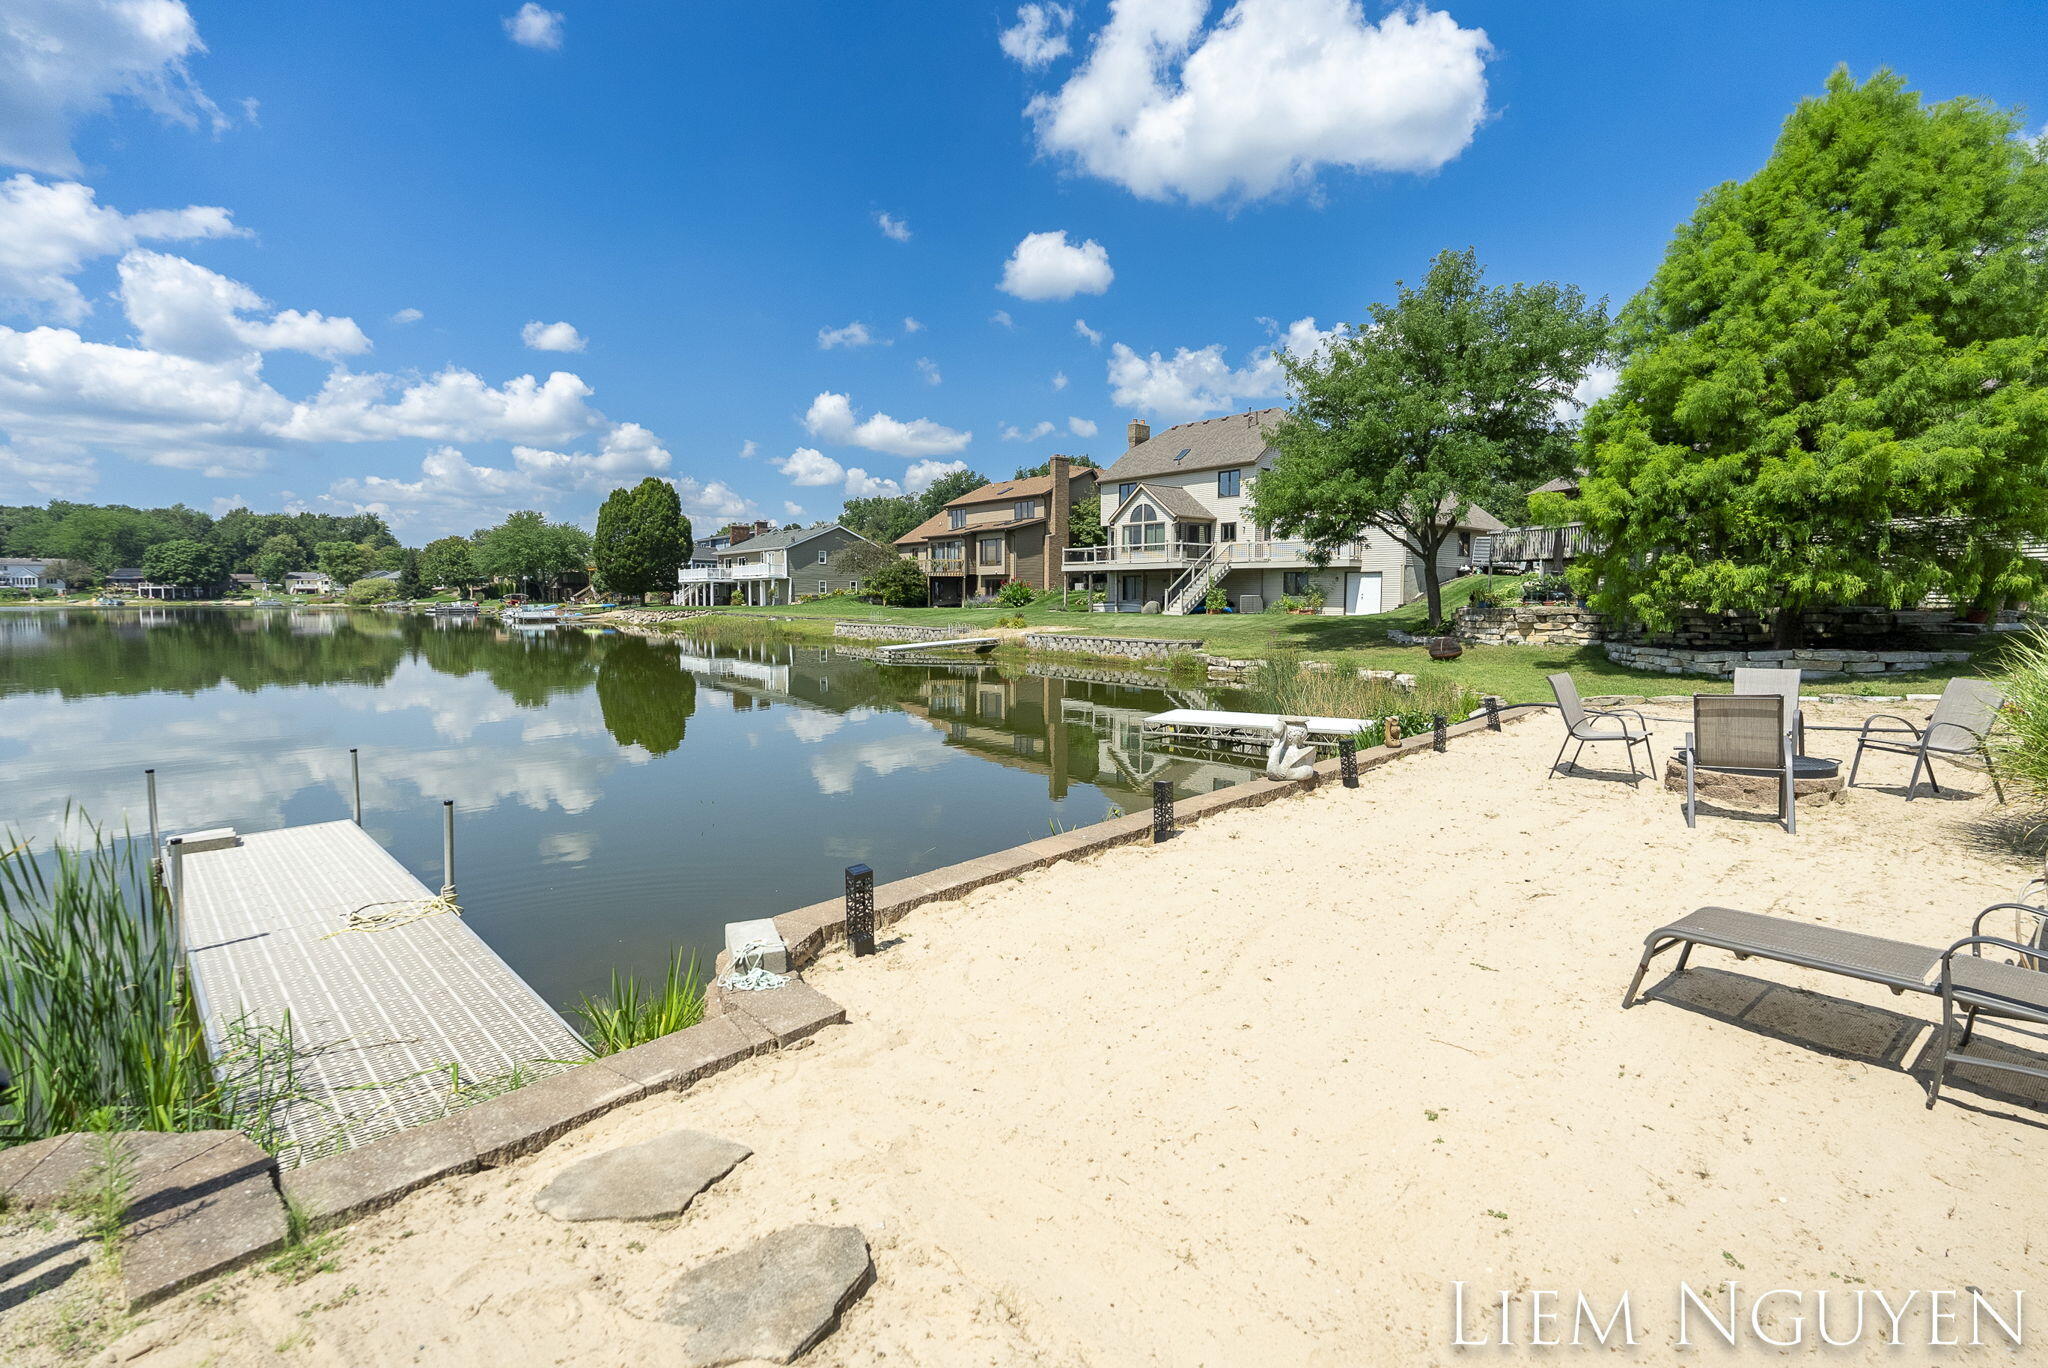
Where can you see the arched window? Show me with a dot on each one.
(1143, 528)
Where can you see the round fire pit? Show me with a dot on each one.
(1816, 779)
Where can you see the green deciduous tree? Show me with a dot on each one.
(184, 562)
(278, 557)
(885, 517)
(1832, 387)
(900, 584)
(446, 560)
(367, 591)
(1445, 396)
(642, 539)
(344, 562)
(531, 551)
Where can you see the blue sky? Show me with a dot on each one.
(214, 219)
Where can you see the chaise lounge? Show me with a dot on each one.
(1966, 984)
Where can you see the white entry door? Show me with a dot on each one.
(1362, 592)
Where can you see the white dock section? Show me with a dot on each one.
(980, 645)
(380, 1018)
(1205, 722)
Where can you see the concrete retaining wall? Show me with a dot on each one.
(1132, 648)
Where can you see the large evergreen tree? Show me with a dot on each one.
(1444, 397)
(642, 538)
(1832, 388)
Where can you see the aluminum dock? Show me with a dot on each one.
(381, 1020)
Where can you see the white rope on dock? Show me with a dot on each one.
(748, 976)
(402, 912)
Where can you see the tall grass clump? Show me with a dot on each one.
(1283, 684)
(633, 1014)
(2020, 746)
(94, 1022)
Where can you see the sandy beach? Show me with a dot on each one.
(1264, 1095)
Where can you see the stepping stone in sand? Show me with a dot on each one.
(659, 1177)
(772, 1299)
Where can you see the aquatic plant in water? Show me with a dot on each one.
(633, 1014)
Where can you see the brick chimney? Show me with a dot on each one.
(737, 533)
(1138, 433)
(1059, 516)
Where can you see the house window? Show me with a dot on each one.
(1134, 588)
(1145, 529)
(1464, 543)
(1124, 491)
(956, 518)
(821, 586)
(1226, 531)
(821, 556)
(1293, 582)
(1229, 483)
(1024, 509)
(991, 552)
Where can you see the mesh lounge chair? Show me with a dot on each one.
(1734, 734)
(1598, 724)
(1960, 727)
(1967, 984)
(1754, 682)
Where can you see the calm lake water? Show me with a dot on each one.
(615, 796)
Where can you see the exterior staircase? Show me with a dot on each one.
(1194, 583)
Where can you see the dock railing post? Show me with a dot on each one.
(175, 861)
(860, 909)
(1347, 759)
(156, 840)
(355, 776)
(1162, 810)
(447, 847)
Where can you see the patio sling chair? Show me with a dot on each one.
(1598, 724)
(1753, 682)
(1737, 734)
(1960, 727)
(1968, 985)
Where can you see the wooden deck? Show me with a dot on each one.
(381, 1018)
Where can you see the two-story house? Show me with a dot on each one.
(1009, 530)
(1177, 505)
(768, 568)
(25, 573)
(308, 582)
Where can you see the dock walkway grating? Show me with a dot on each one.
(378, 1017)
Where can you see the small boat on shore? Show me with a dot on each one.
(269, 603)
(458, 607)
(531, 614)
(109, 601)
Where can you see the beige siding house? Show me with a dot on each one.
(1176, 511)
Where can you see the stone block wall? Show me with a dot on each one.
(1528, 624)
(1813, 661)
(897, 631)
(1132, 648)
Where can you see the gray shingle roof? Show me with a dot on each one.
(777, 540)
(1174, 501)
(1212, 444)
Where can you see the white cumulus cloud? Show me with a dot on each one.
(405, 316)
(922, 475)
(183, 308)
(1047, 266)
(1081, 427)
(64, 60)
(1039, 36)
(911, 325)
(893, 228)
(832, 418)
(861, 485)
(1258, 103)
(627, 453)
(1082, 330)
(1059, 380)
(808, 467)
(854, 334)
(48, 232)
(1013, 433)
(535, 27)
(717, 500)
(55, 470)
(1192, 383)
(552, 337)
(1001, 318)
(929, 370)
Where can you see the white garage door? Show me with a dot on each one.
(1362, 592)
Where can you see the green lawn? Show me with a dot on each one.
(1513, 672)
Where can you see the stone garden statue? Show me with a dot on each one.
(1290, 756)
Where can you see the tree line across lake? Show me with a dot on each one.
(642, 536)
